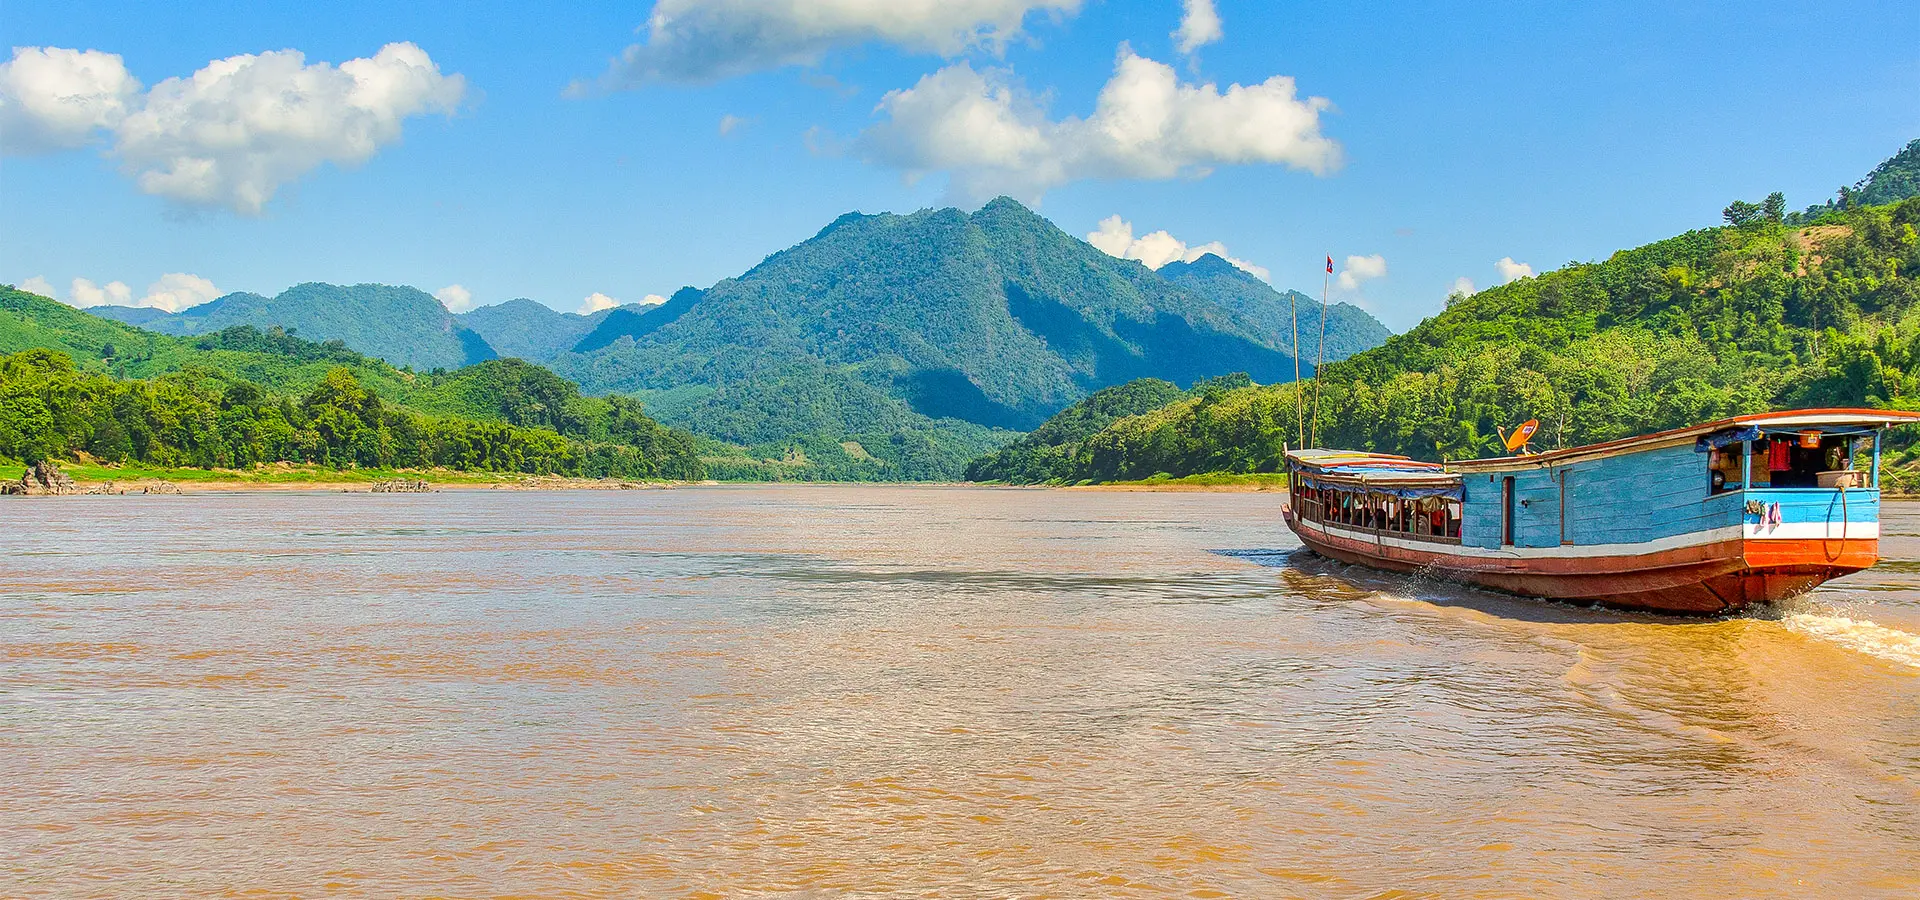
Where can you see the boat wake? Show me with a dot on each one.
(1859, 635)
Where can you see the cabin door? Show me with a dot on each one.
(1506, 511)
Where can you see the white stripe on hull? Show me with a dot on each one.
(1791, 531)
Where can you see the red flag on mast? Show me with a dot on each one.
(1329, 265)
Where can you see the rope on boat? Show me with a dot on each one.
(1843, 530)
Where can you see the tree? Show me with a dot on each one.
(1740, 213)
(1775, 207)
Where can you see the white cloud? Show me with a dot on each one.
(235, 131)
(455, 298)
(53, 99)
(731, 123)
(85, 293)
(1511, 271)
(596, 302)
(706, 40)
(1361, 269)
(37, 285)
(230, 134)
(992, 137)
(1115, 238)
(1463, 286)
(176, 291)
(1199, 26)
(652, 300)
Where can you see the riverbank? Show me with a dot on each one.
(96, 478)
(1213, 482)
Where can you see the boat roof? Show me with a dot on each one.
(1373, 470)
(1784, 420)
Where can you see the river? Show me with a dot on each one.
(822, 691)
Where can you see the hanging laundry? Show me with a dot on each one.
(1779, 456)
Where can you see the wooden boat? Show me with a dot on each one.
(1699, 520)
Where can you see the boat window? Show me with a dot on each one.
(1723, 469)
(1433, 518)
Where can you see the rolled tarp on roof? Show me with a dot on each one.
(1408, 486)
(1720, 439)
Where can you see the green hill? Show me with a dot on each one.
(402, 325)
(72, 382)
(1350, 329)
(1048, 453)
(1716, 322)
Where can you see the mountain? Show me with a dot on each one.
(954, 327)
(402, 325)
(1350, 329)
(524, 329)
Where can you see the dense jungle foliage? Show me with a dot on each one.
(198, 417)
(1716, 322)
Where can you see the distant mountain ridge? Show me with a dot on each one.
(402, 325)
(1350, 329)
(526, 329)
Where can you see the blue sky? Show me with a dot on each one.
(1452, 136)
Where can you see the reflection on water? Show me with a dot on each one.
(753, 691)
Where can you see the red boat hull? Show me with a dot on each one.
(1705, 578)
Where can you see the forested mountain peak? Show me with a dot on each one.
(884, 328)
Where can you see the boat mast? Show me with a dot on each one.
(1299, 399)
(1321, 360)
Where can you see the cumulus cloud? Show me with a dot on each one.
(991, 136)
(1360, 269)
(238, 129)
(1511, 271)
(1463, 286)
(1115, 238)
(84, 293)
(58, 99)
(1199, 26)
(731, 123)
(652, 300)
(174, 292)
(706, 40)
(455, 298)
(37, 285)
(232, 133)
(596, 302)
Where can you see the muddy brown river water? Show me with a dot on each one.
(825, 691)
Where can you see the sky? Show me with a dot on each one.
(589, 154)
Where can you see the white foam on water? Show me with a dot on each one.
(1859, 635)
